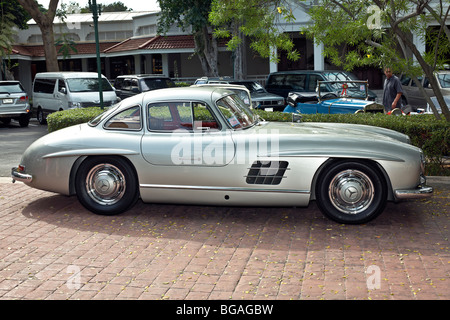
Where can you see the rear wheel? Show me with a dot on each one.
(40, 116)
(106, 185)
(351, 192)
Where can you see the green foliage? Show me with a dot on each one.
(67, 118)
(425, 132)
(256, 19)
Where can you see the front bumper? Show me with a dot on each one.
(421, 192)
(19, 176)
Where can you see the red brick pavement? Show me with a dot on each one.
(52, 248)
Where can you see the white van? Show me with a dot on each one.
(56, 91)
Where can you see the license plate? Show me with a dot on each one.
(7, 100)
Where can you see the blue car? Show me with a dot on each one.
(352, 99)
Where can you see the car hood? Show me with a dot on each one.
(258, 96)
(334, 139)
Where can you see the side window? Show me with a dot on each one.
(296, 81)
(312, 83)
(61, 86)
(126, 85)
(134, 85)
(44, 85)
(170, 116)
(129, 119)
(118, 83)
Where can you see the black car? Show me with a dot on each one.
(130, 85)
(305, 81)
(261, 99)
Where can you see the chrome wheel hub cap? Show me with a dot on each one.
(105, 184)
(351, 191)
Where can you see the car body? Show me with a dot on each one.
(331, 103)
(414, 98)
(305, 81)
(130, 85)
(56, 91)
(203, 146)
(14, 103)
(261, 99)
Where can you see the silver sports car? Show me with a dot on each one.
(203, 146)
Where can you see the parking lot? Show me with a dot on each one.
(52, 248)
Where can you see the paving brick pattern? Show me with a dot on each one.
(52, 248)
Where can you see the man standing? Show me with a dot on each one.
(392, 91)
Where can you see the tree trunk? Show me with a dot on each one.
(45, 23)
(207, 51)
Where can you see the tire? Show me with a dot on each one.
(351, 192)
(24, 120)
(106, 185)
(40, 116)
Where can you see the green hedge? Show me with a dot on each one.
(427, 133)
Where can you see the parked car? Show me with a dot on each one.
(283, 82)
(130, 85)
(332, 103)
(56, 91)
(14, 103)
(261, 99)
(414, 98)
(203, 146)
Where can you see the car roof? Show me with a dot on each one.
(143, 76)
(308, 71)
(202, 93)
(68, 74)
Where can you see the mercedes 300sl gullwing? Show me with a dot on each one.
(203, 146)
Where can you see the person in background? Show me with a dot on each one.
(392, 91)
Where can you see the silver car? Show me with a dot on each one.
(203, 146)
(14, 103)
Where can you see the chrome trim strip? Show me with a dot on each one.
(210, 188)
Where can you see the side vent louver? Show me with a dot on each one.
(267, 172)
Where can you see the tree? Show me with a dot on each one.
(352, 38)
(10, 17)
(257, 20)
(192, 14)
(45, 23)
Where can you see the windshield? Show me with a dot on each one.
(103, 115)
(152, 84)
(87, 85)
(252, 86)
(236, 113)
(340, 76)
(444, 80)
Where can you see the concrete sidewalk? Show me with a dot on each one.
(52, 248)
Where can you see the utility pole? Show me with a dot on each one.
(96, 11)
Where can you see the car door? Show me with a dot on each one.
(184, 134)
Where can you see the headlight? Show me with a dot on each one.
(73, 105)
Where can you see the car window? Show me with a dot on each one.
(296, 81)
(11, 87)
(87, 85)
(312, 82)
(129, 119)
(118, 83)
(152, 84)
(235, 112)
(44, 85)
(171, 116)
(405, 80)
(444, 80)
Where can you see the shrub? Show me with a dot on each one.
(427, 133)
(67, 118)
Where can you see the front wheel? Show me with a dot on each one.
(351, 192)
(106, 185)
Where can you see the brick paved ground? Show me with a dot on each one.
(52, 248)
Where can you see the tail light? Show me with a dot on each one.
(23, 99)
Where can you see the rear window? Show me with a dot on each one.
(152, 84)
(11, 87)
